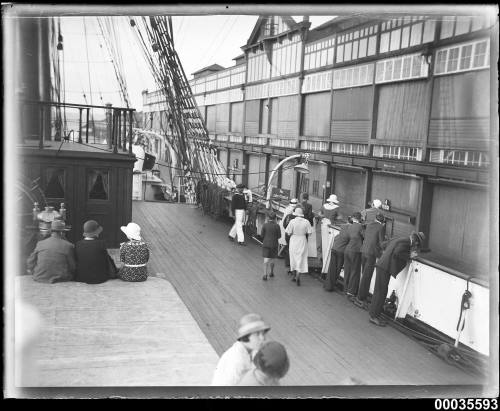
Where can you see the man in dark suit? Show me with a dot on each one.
(352, 256)
(308, 209)
(394, 258)
(336, 259)
(370, 251)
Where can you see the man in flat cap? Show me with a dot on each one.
(53, 259)
(396, 255)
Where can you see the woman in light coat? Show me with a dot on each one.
(298, 228)
(328, 214)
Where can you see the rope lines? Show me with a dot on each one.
(189, 136)
(113, 46)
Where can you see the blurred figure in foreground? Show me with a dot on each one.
(237, 360)
(271, 364)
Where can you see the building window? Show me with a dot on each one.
(353, 76)
(349, 148)
(480, 54)
(286, 55)
(462, 57)
(401, 33)
(55, 182)
(353, 45)
(314, 145)
(460, 158)
(398, 152)
(315, 191)
(98, 184)
(399, 68)
(458, 25)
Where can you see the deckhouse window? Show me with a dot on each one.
(55, 182)
(98, 184)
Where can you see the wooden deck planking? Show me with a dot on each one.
(327, 337)
(115, 334)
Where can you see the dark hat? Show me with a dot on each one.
(58, 225)
(91, 229)
(272, 359)
(419, 236)
(357, 215)
(240, 186)
(272, 215)
(380, 217)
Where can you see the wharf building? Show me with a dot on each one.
(399, 108)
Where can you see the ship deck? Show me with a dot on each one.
(170, 330)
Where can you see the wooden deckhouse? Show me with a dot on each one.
(88, 168)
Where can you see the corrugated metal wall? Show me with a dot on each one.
(211, 116)
(402, 112)
(254, 168)
(237, 117)
(316, 116)
(460, 116)
(351, 114)
(222, 118)
(460, 224)
(288, 116)
(252, 117)
(223, 157)
(349, 186)
(403, 193)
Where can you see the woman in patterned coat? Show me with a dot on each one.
(134, 254)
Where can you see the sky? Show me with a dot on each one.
(200, 41)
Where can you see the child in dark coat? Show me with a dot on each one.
(93, 263)
(271, 233)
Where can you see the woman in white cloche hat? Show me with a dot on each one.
(134, 254)
(328, 214)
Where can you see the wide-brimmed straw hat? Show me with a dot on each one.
(132, 231)
(294, 201)
(58, 225)
(298, 212)
(251, 323)
(332, 199)
(91, 228)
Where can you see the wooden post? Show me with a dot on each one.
(87, 131)
(124, 131)
(40, 140)
(119, 129)
(109, 124)
(115, 131)
(80, 127)
(130, 131)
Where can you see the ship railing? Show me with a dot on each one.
(57, 122)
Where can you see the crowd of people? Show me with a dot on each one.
(360, 248)
(55, 259)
